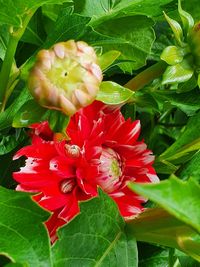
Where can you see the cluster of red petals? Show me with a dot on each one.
(101, 149)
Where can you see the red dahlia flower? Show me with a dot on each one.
(102, 150)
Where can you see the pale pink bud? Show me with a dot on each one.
(66, 77)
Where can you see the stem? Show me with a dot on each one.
(9, 56)
(146, 76)
(171, 257)
(6, 67)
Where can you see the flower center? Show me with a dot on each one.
(110, 170)
(72, 150)
(67, 185)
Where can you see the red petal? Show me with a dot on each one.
(54, 202)
(128, 151)
(128, 202)
(60, 166)
(128, 132)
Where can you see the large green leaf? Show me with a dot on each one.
(68, 26)
(132, 35)
(159, 227)
(95, 238)
(180, 198)
(23, 237)
(13, 12)
(106, 9)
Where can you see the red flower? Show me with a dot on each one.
(102, 150)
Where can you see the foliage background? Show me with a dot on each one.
(170, 119)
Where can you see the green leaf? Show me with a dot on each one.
(4, 37)
(188, 102)
(7, 116)
(192, 168)
(172, 55)
(179, 198)
(190, 135)
(163, 166)
(107, 59)
(105, 9)
(29, 113)
(57, 120)
(145, 100)
(176, 28)
(159, 227)
(186, 261)
(132, 35)
(178, 73)
(155, 260)
(14, 12)
(68, 26)
(10, 142)
(95, 238)
(113, 93)
(188, 85)
(34, 33)
(23, 236)
(52, 11)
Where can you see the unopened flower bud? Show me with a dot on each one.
(66, 77)
(72, 151)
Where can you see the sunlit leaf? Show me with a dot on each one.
(22, 221)
(113, 93)
(95, 238)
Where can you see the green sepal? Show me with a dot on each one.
(186, 18)
(176, 28)
(172, 55)
(178, 73)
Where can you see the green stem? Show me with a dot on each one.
(171, 257)
(9, 57)
(6, 67)
(146, 76)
